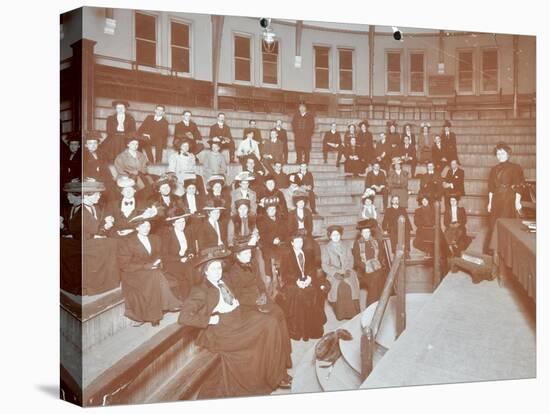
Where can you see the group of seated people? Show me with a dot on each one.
(358, 149)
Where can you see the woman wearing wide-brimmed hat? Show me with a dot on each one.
(147, 291)
(119, 126)
(251, 345)
(88, 257)
(337, 262)
(164, 199)
(178, 251)
(300, 218)
(367, 260)
(243, 182)
(211, 232)
(398, 182)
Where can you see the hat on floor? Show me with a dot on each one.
(367, 224)
(335, 227)
(211, 253)
(120, 102)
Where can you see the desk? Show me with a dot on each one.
(515, 253)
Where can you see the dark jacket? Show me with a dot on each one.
(303, 127)
(192, 131)
(158, 130)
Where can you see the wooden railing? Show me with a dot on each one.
(396, 274)
(437, 244)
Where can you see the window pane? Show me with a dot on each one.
(270, 73)
(180, 59)
(346, 80)
(145, 26)
(417, 62)
(321, 57)
(321, 78)
(146, 53)
(417, 82)
(394, 82)
(242, 69)
(465, 61)
(490, 80)
(465, 81)
(180, 34)
(346, 59)
(242, 47)
(490, 59)
(394, 62)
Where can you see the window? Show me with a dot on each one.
(322, 67)
(393, 70)
(179, 38)
(242, 58)
(345, 59)
(146, 39)
(270, 62)
(465, 71)
(489, 62)
(416, 66)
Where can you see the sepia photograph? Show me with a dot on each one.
(259, 206)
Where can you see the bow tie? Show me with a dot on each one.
(128, 203)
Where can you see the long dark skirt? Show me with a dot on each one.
(181, 278)
(345, 307)
(373, 282)
(424, 239)
(253, 354)
(305, 313)
(147, 295)
(354, 166)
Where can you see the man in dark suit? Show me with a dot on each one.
(71, 158)
(120, 125)
(303, 125)
(407, 152)
(376, 180)
(431, 183)
(154, 133)
(283, 137)
(257, 133)
(223, 132)
(332, 141)
(186, 128)
(448, 139)
(453, 184)
(440, 155)
(306, 181)
(281, 179)
(390, 224)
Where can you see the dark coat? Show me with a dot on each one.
(245, 283)
(224, 132)
(115, 142)
(270, 229)
(96, 167)
(207, 237)
(158, 130)
(457, 179)
(192, 131)
(303, 127)
(292, 221)
(373, 179)
(449, 142)
(430, 184)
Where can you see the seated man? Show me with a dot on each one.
(243, 190)
(306, 182)
(223, 132)
(281, 179)
(453, 183)
(376, 181)
(431, 184)
(332, 141)
(187, 129)
(248, 147)
(440, 156)
(407, 153)
(390, 224)
(272, 151)
(383, 152)
(154, 134)
(257, 133)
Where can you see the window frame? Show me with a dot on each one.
(314, 67)
(353, 71)
(191, 48)
(457, 71)
(251, 60)
(410, 72)
(482, 90)
(401, 65)
(157, 37)
(277, 85)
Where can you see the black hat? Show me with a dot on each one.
(168, 178)
(141, 217)
(211, 253)
(299, 195)
(74, 136)
(367, 224)
(180, 140)
(335, 227)
(242, 243)
(446, 124)
(503, 146)
(121, 102)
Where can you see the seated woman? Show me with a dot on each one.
(355, 163)
(455, 227)
(88, 257)
(183, 164)
(146, 290)
(300, 218)
(424, 220)
(398, 182)
(368, 209)
(338, 265)
(303, 294)
(133, 163)
(367, 260)
(178, 250)
(252, 348)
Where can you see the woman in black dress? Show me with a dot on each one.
(252, 349)
(355, 163)
(303, 294)
(424, 220)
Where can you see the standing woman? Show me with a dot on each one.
(119, 126)
(302, 291)
(398, 182)
(505, 183)
(424, 220)
(146, 290)
(252, 347)
(337, 263)
(354, 163)
(365, 140)
(424, 143)
(366, 260)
